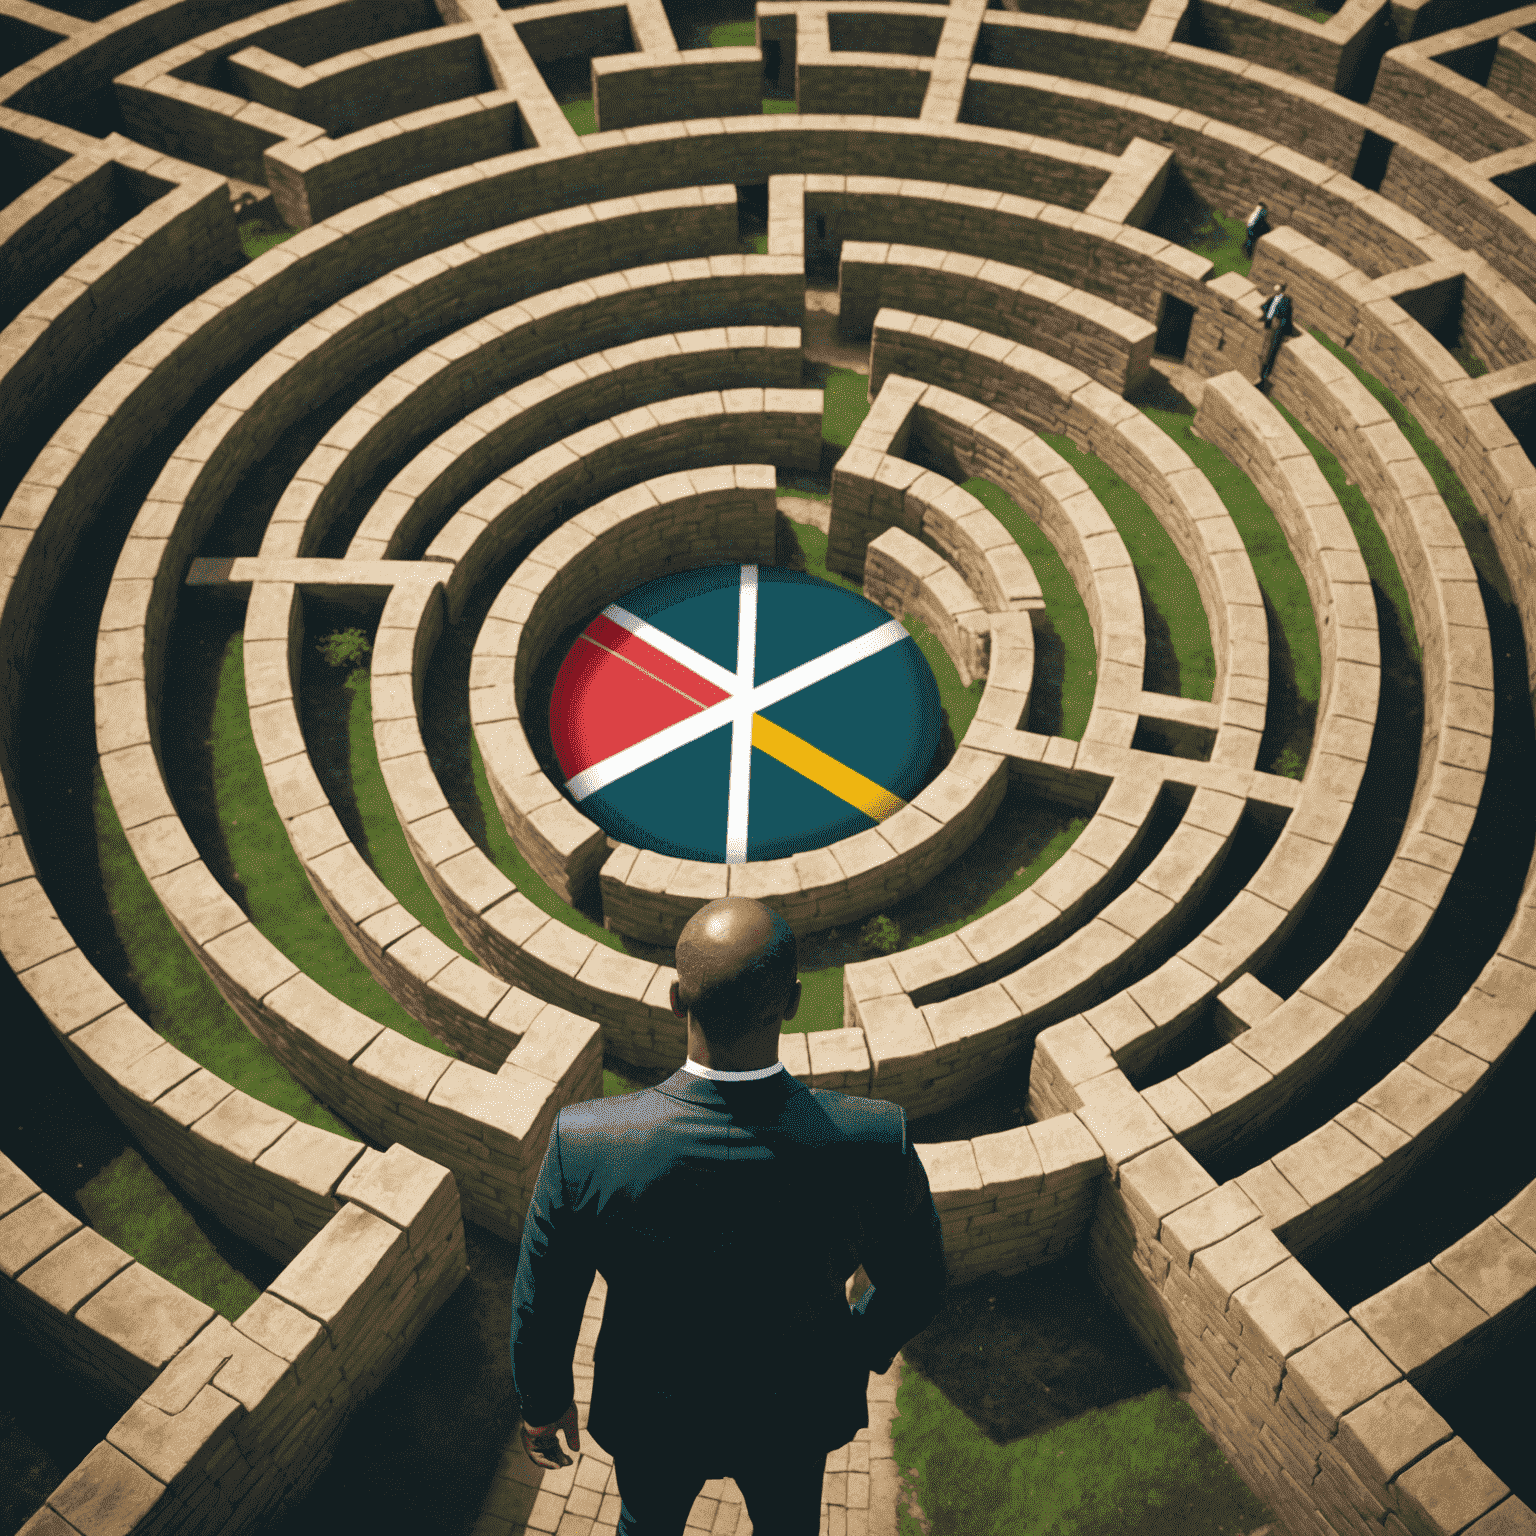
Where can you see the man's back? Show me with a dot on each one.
(726, 1217)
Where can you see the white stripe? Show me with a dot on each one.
(742, 707)
(685, 655)
(746, 627)
(740, 797)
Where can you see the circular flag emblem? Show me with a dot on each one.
(743, 712)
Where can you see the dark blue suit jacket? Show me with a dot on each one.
(726, 1218)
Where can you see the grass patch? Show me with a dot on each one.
(1145, 1465)
(274, 889)
(772, 104)
(259, 235)
(179, 998)
(580, 114)
(338, 718)
(845, 404)
(1028, 1406)
(734, 34)
(128, 1205)
(505, 856)
(1295, 660)
(1180, 658)
(1066, 658)
(1186, 219)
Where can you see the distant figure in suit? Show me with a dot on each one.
(726, 1208)
(1258, 222)
(1277, 318)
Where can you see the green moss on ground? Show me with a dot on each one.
(580, 114)
(1066, 658)
(1144, 1464)
(385, 847)
(1295, 660)
(505, 856)
(845, 404)
(128, 1204)
(1175, 617)
(259, 235)
(274, 889)
(180, 1000)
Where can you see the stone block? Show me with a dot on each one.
(341, 1268)
(1450, 1487)
(1338, 1372)
(77, 1268)
(1491, 1265)
(30, 1231)
(1417, 1318)
(173, 1447)
(108, 1494)
(402, 1187)
(143, 1313)
(1210, 1219)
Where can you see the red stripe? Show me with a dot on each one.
(602, 704)
(657, 663)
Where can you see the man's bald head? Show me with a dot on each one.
(736, 967)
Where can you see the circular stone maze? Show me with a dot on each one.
(363, 357)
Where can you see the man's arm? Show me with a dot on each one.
(905, 1260)
(555, 1268)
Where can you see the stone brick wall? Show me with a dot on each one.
(1016, 1199)
(481, 443)
(1513, 75)
(1104, 341)
(906, 577)
(630, 90)
(769, 426)
(241, 1419)
(163, 252)
(1302, 1400)
(83, 1301)
(1413, 86)
(1028, 387)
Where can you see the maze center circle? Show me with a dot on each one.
(743, 712)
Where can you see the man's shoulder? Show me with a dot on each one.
(852, 1116)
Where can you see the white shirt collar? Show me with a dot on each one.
(731, 1077)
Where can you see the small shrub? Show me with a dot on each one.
(345, 648)
(1289, 764)
(879, 936)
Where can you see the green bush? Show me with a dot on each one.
(345, 648)
(879, 936)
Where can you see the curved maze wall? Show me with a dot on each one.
(523, 361)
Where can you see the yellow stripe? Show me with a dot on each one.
(876, 803)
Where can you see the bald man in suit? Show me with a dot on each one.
(726, 1208)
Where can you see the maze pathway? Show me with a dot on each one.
(523, 401)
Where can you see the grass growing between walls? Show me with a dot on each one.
(1180, 658)
(337, 708)
(1028, 1408)
(269, 881)
(734, 34)
(129, 1204)
(580, 114)
(260, 234)
(1295, 660)
(1066, 658)
(179, 999)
